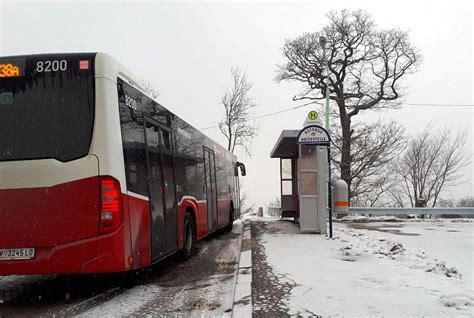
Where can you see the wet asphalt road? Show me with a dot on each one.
(204, 284)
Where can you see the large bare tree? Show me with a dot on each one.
(365, 69)
(236, 125)
(374, 147)
(433, 161)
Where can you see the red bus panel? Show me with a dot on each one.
(50, 216)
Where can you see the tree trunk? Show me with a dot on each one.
(229, 145)
(421, 203)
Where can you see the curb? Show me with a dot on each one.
(243, 288)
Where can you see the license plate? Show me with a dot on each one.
(17, 253)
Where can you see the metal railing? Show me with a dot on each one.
(274, 211)
(393, 211)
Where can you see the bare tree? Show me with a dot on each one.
(466, 202)
(275, 202)
(365, 67)
(236, 126)
(433, 162)
(245, 206)
(395, 196)
(374, 147)
(446, 203)
(274, 207)
(149, 88)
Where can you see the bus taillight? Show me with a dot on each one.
(110, 205)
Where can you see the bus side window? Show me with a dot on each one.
(133, 138)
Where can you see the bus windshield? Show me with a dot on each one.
(47, 105)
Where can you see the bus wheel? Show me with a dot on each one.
(189, 237)
(230, 225)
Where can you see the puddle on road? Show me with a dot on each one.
(386, 228)
(204, 304)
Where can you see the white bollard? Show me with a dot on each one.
(341, 197)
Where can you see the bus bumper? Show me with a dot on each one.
(102, 254)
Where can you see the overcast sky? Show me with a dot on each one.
(187, 49)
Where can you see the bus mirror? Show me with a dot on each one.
(240, 165)
(243, 172)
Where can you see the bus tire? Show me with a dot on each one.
(189, 236)
(230, 225)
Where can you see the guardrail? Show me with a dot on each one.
(396, 211)
(273, 209)
(392, 211)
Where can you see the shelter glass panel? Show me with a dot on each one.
(286, 170)
(307, 160)
(286, 187)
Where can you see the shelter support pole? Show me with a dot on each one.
(329, 192)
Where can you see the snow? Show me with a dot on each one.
(243, 288)
(362, 218)
(458, 301)
(378, 269)
(125, 304)
(245, 259)
(243, 294)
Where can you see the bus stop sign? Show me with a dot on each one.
(314, 135)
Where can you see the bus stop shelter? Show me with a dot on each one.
(304, 175)
(286, 149)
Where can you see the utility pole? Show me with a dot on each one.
(322, 42)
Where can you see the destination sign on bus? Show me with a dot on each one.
(45, 66)
(10, 70)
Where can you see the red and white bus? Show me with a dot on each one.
(95, 176)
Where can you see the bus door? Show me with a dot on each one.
(161, 189)
(211, 189)
(169, 190)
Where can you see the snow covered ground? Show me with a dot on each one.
(402, 269)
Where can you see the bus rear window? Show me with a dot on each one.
(47, 105)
